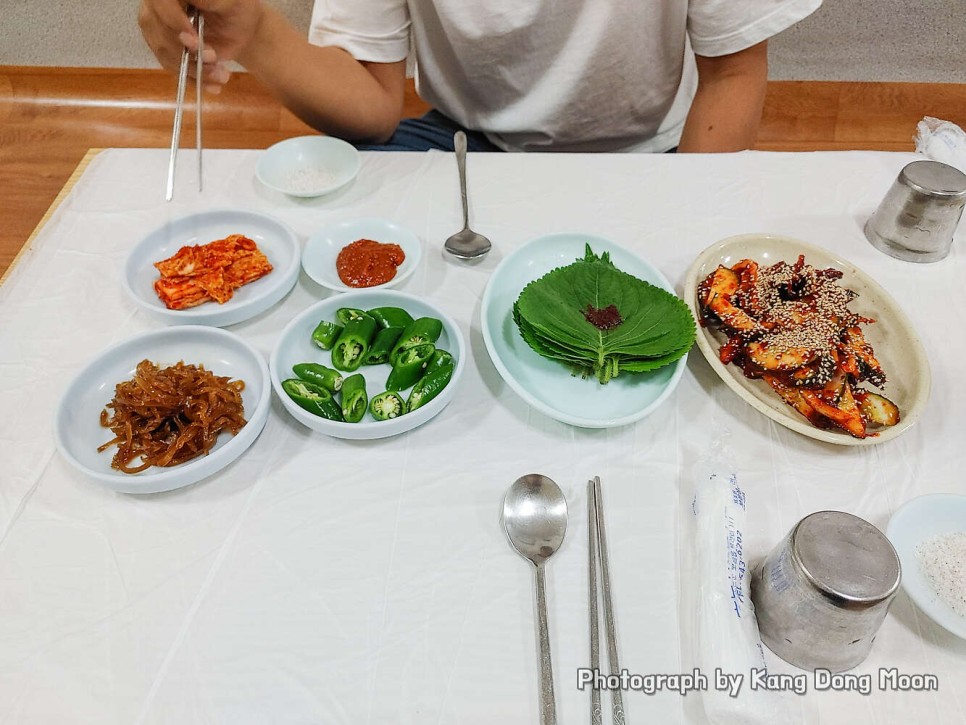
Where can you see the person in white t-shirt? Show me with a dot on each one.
(518, 75)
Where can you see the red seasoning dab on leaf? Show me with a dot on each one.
(606, 318)
(367, 263)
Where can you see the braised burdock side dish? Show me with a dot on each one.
(167, 416)
(790, 325)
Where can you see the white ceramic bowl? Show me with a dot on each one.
(917, 521)
(547, 385)
(295, 346)
(323, 247)
(276, 240)
(892, 336)
(307, 166)
(77, 426)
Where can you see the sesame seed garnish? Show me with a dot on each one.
(791, 324)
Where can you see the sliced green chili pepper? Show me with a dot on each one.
(438, 360)
(391, 316)
(353, 344)
(387, 405)
(355, 401)
(382, 345)
(409, 366)
(313, 398)
(328, 378)
(418, 332)
(349, 313)
(428, 387)
(326, 333)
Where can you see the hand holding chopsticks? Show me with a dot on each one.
(198, 20)
(598, 546)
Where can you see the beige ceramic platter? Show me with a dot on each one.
(892, 335)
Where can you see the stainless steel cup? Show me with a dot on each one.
(918, 216)
(822, 593)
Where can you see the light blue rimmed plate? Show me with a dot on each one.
(295, 346)
(548, 385)
(77, 427)
(274, 238)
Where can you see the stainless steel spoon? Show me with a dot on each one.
(535, 519)
(465, 244)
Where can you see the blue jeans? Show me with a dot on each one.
(435, 131)
(432, 131)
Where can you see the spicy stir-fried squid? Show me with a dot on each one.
(790, 325)
(166, 416)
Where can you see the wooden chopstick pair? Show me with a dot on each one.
(198, 20)
(597, 540)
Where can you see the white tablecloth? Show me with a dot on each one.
(327, 581)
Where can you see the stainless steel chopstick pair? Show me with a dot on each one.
(198, 20)
(598, 547)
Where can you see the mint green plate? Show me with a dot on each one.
(546, 384)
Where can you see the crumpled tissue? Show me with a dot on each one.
(942, 141)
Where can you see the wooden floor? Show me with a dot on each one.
(50, 117)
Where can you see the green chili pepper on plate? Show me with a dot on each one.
(328, 378)
(391, 316)
(349, 313)
(409, 366)
(325, 334)
(382, 345)
(439, 359)
(313, 398)
(386, 405)
(418, 332)
(428, 387)
(353, 344)
(355, 401)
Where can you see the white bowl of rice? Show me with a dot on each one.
(307, 166)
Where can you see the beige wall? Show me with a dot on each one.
(872, 40)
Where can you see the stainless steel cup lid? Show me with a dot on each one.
(846, 558)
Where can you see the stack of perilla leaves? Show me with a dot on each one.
(601, 321)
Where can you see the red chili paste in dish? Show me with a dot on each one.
(367, 263)
(603, 318)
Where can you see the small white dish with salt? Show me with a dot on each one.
(929, 535)
(308, 166)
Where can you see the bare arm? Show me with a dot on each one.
(727, 107)
(326, 87)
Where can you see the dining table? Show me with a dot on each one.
(317, 579)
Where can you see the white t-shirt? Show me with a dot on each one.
(556, 75)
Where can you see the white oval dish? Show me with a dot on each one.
(295, 346)
(308, 166)
(545, 384)
(276, 240)
(892, 336)
(77, 426)
(918, 521)
(323, 247)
